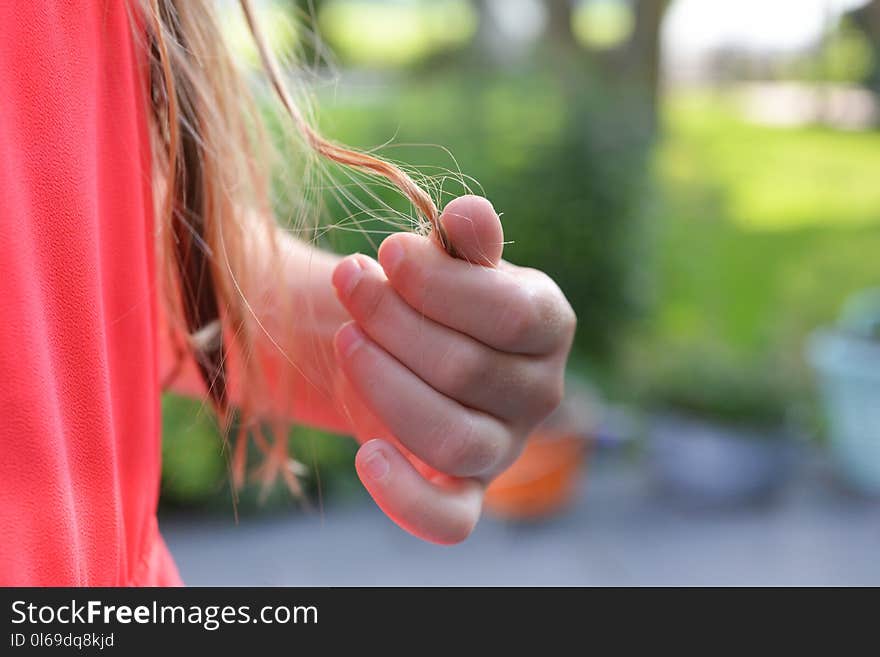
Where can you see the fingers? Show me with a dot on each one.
(501, 384)
(441, 432)
(472, 227)
(454, 358)
(507, 308)
(443, 513)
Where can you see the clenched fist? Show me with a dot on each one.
(449, 364)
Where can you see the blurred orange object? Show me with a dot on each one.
(542, 480)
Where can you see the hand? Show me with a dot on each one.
(452, 361)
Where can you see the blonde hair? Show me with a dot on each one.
(212, 184)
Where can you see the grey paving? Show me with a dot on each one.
(620, 531)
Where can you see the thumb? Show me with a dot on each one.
(472, 231)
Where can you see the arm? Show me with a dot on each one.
(304, 273)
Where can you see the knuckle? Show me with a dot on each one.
(464, 452)
(412, 281)
(552, 396)
(562, 313)
(546, 397)
(460, 370)
(569, 320)
(553, 307)
(518, 320)
(552, 315)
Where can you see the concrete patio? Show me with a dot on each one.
(619, 532)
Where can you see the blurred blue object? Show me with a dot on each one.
(847, 360)
(704, 464)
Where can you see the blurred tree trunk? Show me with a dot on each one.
(871, 13)
(557, 33)
(642, 56)
(559, 16)
(488, 35)
(867, 18)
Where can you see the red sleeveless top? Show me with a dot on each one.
(79, 390)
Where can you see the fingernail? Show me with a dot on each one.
(391, 255)
(375, 466)
(349, 339)
(347, 275)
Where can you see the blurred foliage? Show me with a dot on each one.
(603, 24)
(195, 470)
(283, 30)
(193, 466)
(712, 383)
(845, 55)
(394, 34)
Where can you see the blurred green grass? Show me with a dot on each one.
(759, 235)
(771, 178)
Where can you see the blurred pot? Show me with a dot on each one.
(542, 481)
(700, 463)
(849, 378)
(546, 476)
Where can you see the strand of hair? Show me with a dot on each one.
(420, 199)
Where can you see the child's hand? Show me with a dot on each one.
(457, 359)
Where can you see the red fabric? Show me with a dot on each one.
(79, 406)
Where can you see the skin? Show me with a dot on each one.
(440, 366)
